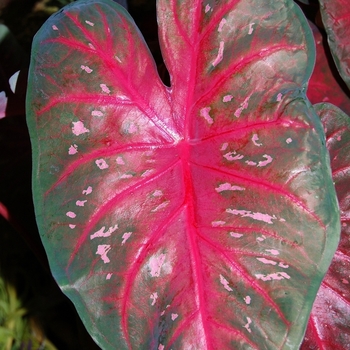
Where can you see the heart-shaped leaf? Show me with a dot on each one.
(336, 20)
(201, 216)
(329, 324)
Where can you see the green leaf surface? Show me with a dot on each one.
(329, 324)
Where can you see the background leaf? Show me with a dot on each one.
(197, 216)
(329, 325)
(336, 20)
(325, 84)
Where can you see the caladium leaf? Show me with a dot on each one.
(329, 324)
(324, 84)
(201, 216)
(336, 20)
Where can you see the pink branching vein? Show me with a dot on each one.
(181, 327)
(111, 203)
(139, 258)
(257, 288)
(106, 55)
(235, 332)
(181, 31)
(268, 186)
(217, 16)
(241, 126)
(102, 152)
(102, 100)
(235, 67)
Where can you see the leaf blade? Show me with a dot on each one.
(329, 319)
(160, 208)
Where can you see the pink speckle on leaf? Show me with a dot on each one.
(90, 23)
(109, 275)
(79, 128)
(207, 8)
(174, 317)
(87, 191)
(126, 176)
(220, 55)
(247, 299)
(231, 156)
(221, 24)
(289, 140)
(272, 251)
(218, 223)
(86, 69)
(155, 264)
(101, 233)
(227, 98)
(279, 97)
(224, 146)
(102, 250)
(154, 297)
(73, 149)
(71, 215)
(236, 235)
(255, 140)
(97, 114)
(251, 163)
(204, 112)
(72, 226)
(267, 261)
(284, 266)
(251, 29)
(339, 138)
(245, 103)
(273, 276)
(120, 161)
(238, 112)
(243, 106)
(261, 239)
(92, 46)
(101, 163)
(265, 162)
(126, 236)
(228, 187)
(157, 193)
(256, 216)
(225, 283)
(104, 88)
(80, 203)
(54, 27)
(247, 325)
(161, 347)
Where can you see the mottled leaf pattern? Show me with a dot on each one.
(329, 325)
(199, 216)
